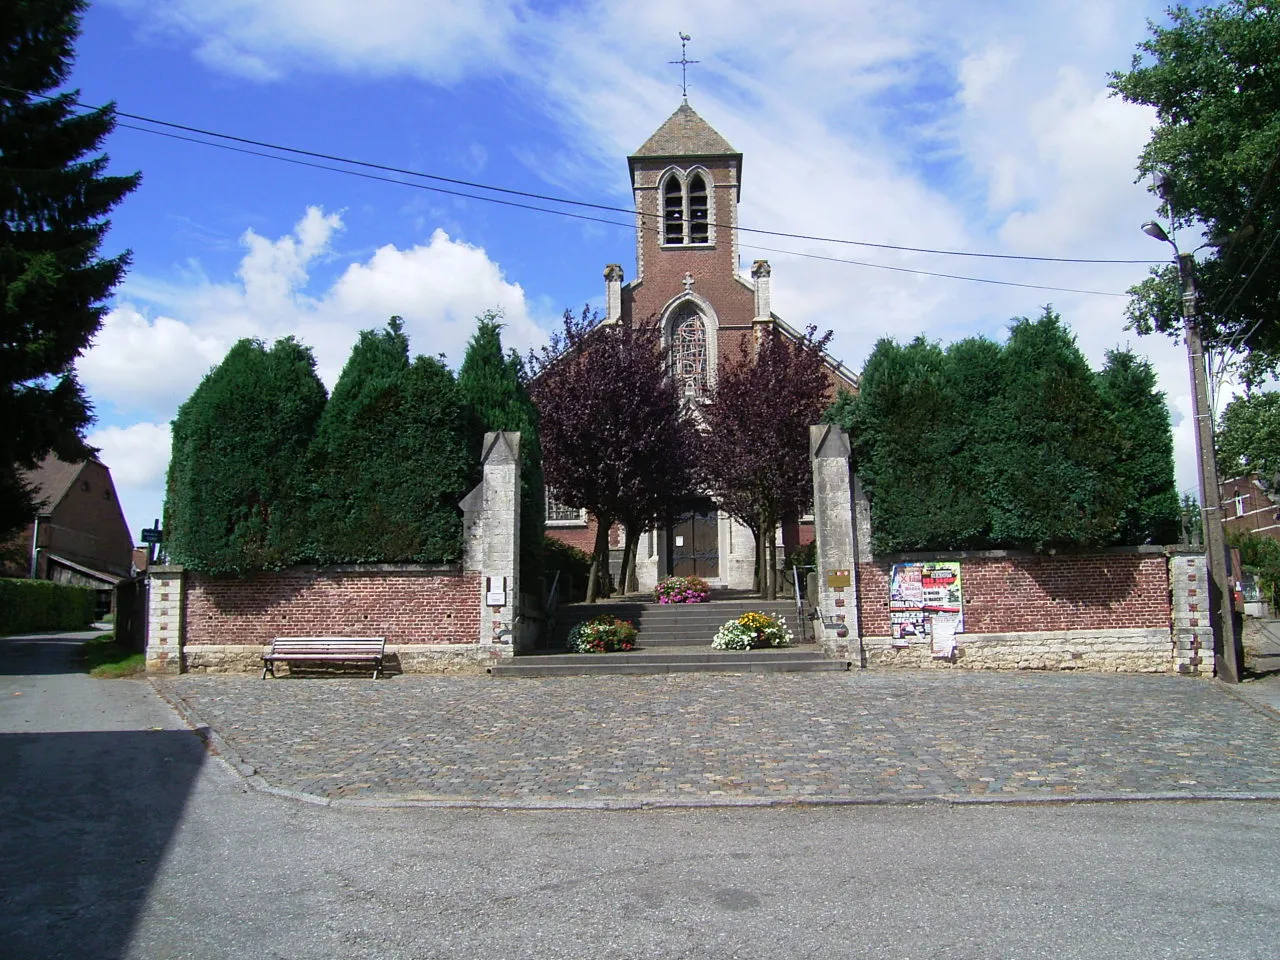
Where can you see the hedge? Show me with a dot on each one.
(27, 605)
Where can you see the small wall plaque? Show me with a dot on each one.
(495, 592)
(839, 579)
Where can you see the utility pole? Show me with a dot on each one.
(1228, 651)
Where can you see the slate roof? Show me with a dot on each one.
(52, 479)
(685, 134)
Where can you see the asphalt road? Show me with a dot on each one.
(121, 836)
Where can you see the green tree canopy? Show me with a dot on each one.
(1144, 460)
(1018, 445)
(1211, 76)
(493, 388)
(54, 201)
(1248, 439)
(237, 491)
(390, 459)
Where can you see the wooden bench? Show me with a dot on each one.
(345, 649)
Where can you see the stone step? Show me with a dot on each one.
(638, 663)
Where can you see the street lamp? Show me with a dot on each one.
(1228, 652)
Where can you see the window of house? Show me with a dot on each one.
(1239, 498)
(689, 351)
(558, 512)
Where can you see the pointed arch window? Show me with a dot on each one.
(698, 223)
(686, 209)
(672, 211)
(689, 352)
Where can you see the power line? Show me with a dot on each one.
(474, 185)
(930, 273)
(589, 219)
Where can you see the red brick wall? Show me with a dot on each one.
(402, 606)
(1020, 594)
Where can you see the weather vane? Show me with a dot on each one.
(684, 62)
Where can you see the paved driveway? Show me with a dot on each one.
(741, 739)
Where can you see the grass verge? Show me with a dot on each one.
(107, 659)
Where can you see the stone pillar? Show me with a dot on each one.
(1192, 628)
(491, 530)
(760, 274)
(165, 607)
(837, 561)
(613, 293)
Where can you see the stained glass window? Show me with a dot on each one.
(689, 352)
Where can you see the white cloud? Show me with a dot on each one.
(144, 365)
(265, 39)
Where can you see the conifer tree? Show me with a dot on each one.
(237, 489)
(493, 388)
(1143, 462)
(54, 201)
(389, 460)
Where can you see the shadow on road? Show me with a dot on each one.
(85, 816)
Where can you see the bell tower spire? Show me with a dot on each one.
(684, 62)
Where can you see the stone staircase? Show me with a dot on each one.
(673, 638)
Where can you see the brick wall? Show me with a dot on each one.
(1014, 594)
(405, 606)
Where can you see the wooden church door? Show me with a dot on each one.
(693, 543)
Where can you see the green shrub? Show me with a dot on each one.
(27, 605)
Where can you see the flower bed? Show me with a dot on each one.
(683, 590)
(605, 634)
(752, 630)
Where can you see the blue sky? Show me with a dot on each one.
(982, 126)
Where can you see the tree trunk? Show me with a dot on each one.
(599, 556)
(631, 546)
(762, 560)
(773, 564)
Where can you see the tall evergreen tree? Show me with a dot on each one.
(1144, 461)
(54, 201)
(1052, 483)
(390, 459)
(493, 388)
(237, 489)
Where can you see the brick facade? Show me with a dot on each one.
(1015, 594)
(1246, 508)
(404, 606)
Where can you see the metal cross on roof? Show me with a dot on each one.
(684, 62)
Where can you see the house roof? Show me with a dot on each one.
(685, 134)
(52, 479)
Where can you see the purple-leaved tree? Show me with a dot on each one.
(614, 440)
(754, 457)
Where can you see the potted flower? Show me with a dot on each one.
(750, 630)
(604, 634)
(683, 590)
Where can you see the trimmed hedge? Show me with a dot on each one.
(27, 605)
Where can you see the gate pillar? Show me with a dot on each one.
(836, 535)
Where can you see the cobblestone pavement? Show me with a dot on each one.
(741, 738)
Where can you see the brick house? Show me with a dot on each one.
(79, 535)
(1249, 507)
(686, 181)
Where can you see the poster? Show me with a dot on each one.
(926, 604)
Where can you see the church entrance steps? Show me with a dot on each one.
(675, 623)
(671, 659)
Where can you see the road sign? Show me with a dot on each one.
(151, 535)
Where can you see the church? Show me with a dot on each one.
(686, 182)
